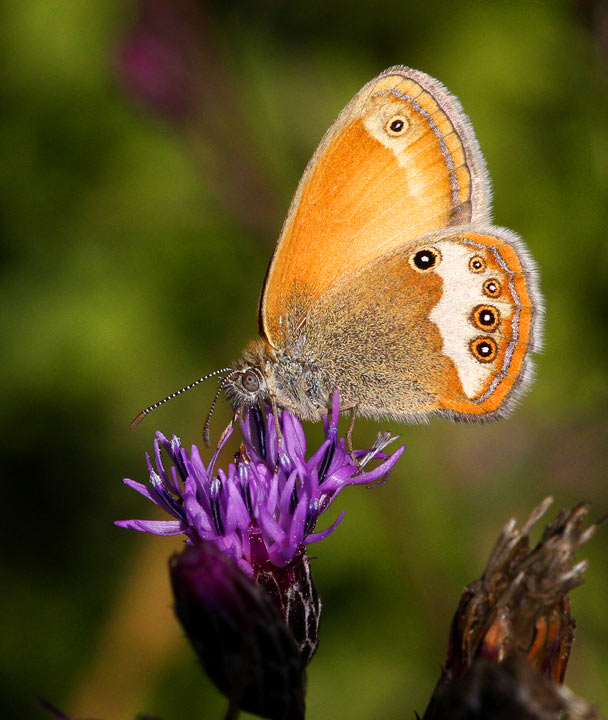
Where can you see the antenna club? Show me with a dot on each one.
(135, 422)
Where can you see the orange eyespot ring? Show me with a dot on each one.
(484, 349)
(396, 125)
(477, 264)
(425, 259)
(485, 317)
(491, 288)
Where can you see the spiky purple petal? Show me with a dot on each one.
(257, 510)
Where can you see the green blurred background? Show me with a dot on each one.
(149, 154)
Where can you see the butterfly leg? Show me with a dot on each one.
(275, 414)
(226, 430)
(349, 435)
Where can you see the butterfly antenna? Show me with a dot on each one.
(148, 410)
(213, 404)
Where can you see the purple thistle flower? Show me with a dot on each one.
(263, 509)
(243, 588)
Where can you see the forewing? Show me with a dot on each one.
(368, 190)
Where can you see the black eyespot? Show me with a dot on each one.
(396, 125)
(485, 317)
(425, 259)
(491, 288)
(250, 381)
(477, 264)
(484, 349)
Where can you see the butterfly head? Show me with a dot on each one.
(281, 377)
(247, 384)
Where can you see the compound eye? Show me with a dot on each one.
(250, 381)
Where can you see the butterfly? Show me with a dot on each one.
(389, 284)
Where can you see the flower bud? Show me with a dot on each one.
(238, 633)
(293, 592)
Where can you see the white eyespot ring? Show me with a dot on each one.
(396, 125)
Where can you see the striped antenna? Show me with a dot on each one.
(214, 403)
(148, 410)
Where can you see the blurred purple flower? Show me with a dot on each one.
(168, 62)
(155, 58)
(262, 509)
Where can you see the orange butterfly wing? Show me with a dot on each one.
(368, 190)
(452, 340)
